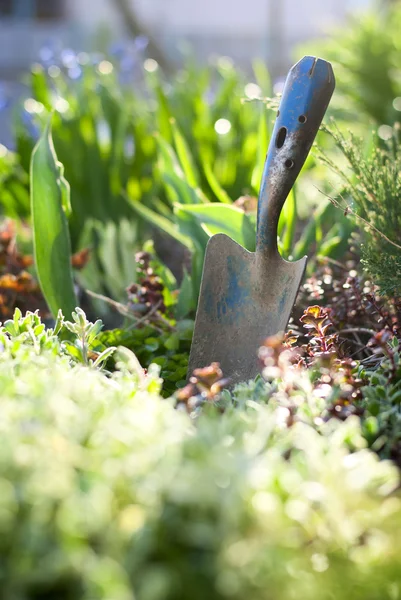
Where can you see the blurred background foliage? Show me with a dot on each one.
(177, 157)
(145, 157)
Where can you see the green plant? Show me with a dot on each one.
(85, 345)
(107, 491)
(155, 327)
(372, 190)
(50, 207)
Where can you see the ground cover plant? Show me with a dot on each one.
(119, 477)
(108, 491)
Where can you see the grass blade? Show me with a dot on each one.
(185, 156)
(289, 216)
(263, 144)
(215, 186)
(162, 223)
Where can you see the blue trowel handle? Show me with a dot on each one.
(306, 95)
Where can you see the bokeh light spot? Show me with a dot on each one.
(385, 132)
(150, 65)
(105, 67)
(252, 91)
(222, 126)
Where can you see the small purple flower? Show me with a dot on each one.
(141, 43)
(209, 96)
(127, 63)
(118, 49)
(4, 99)
(48, 53)
(75, 73)
(69, 58)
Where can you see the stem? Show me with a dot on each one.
(357, 330)
(125, 312)
(84, 349)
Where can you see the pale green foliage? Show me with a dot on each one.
(85, 337)
(109, 492)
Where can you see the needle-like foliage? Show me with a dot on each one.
(372, 194)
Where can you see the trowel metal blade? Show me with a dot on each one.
(242, 301)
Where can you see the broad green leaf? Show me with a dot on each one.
(190, 226)
(221, 218)
(162, 223)
(52, 247)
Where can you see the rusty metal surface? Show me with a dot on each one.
(248, 296)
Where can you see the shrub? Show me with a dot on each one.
(372, 189)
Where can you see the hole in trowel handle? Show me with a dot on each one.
(302, 118)
(289, 163)
(281, 135)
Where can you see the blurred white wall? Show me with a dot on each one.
(302, 18)
(241, 29)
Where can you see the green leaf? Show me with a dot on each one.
(288, 222)
(164, 224)
(174, 178)
(172, 342)
(103, 356)
(185, 303)
(52, 247)
(40, 88)
(328, 247)
(215, 186)
(163, 114)
(185, 156)
(263, 144)
(306, 243)
(222, 218)
(191, 227)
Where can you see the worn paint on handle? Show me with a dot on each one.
(306, 95)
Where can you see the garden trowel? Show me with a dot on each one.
(248, 296)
